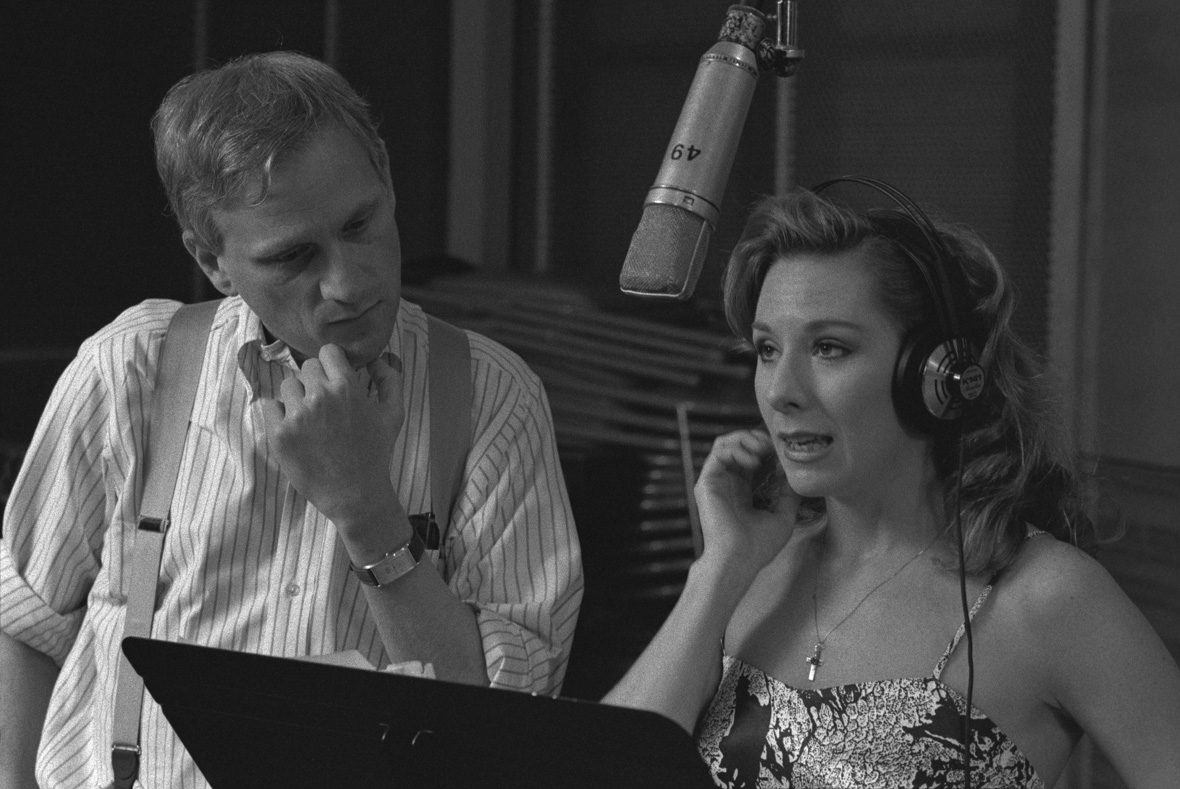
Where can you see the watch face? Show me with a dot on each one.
(392, 566)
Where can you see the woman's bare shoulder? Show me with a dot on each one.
(1053, 578)
(1093, 655)
(1057, 598)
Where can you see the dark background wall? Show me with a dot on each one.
(1138, 151)
(87, 232)
(1133, 297)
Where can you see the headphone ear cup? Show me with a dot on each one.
(907, 381)
(923, 393)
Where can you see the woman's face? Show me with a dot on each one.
(826, 353)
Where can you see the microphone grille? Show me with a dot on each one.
(666, 253)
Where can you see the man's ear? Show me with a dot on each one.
(207, 260)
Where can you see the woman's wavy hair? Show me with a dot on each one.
(219, 133)
(1019, 466)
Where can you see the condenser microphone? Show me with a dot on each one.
(682, 207)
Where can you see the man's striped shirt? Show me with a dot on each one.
(249, 564)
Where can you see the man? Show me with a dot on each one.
(307, 451)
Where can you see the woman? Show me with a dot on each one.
(836, 596)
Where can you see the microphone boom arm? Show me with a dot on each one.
(784, 54)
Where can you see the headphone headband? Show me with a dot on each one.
(937, 280)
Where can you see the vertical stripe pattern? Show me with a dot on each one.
(249, 564)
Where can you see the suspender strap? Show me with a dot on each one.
(450, 420)
(179, 370)
(181, 358)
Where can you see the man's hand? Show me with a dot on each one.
(333, 429)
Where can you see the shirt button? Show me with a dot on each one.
(292, 589)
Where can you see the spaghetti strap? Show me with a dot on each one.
(1029, 534)
(963, 628)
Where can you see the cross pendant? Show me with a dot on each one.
(815, 662)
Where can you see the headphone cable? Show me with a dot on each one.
(966, 616)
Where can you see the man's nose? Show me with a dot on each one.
(346, 276)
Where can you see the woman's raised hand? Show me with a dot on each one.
(735, 531)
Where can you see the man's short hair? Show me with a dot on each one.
(219, 133)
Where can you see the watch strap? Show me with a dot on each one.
(392, 565)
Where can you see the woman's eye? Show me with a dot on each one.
(830, 350)
(356, 226)
(764, 350)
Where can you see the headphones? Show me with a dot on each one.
(936, 378)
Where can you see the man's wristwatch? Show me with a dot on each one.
(392, 565)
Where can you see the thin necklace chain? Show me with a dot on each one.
(814, 660)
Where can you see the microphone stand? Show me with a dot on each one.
(782, 56)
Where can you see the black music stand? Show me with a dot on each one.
(252, 720)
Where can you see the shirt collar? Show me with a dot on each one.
(254, 352)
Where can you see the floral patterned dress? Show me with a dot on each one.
(897, 733)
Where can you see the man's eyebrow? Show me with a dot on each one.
(367, 207)
(281, 244)
(274, 248)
